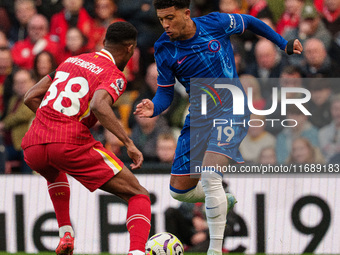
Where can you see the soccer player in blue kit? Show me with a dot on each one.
(200, 48)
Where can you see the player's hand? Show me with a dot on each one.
(144, 109)
(294, 47)
(136, 156)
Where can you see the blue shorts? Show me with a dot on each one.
(221, 138)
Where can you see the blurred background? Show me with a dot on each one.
(37, 35)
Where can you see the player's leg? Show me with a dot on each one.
(222, 149)
(126, 186)
(184, 186)
(59, 191)
(96, 167)
(215, 200)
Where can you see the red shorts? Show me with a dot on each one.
(91, 164)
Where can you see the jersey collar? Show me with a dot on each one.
(107, 55)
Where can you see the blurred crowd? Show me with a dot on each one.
(37, 35)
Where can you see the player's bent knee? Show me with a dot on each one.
(178, 196)
(211, 180)
(142, 191)
(182, 195)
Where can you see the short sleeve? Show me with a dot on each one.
(166, 76)
(114, 85)
(231, 23)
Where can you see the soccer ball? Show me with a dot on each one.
(164, 244)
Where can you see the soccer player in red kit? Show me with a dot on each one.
(59, 141)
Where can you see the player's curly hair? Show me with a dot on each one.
(120, 32)
(178, 4)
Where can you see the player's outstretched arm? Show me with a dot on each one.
(260, 28)
(144, 109)
(101, 107)
(35, 95)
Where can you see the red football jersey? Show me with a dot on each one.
(64, 115)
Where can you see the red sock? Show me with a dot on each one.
(138, 221)
(59, 191)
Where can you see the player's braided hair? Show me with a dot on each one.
(178, 4)
(120, 32)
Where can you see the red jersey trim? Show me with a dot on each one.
(166, 85)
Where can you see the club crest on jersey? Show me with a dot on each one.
(120, 83)
(214, 46)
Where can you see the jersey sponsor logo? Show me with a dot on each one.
(181, 61)
(214, 45)
(232, 21)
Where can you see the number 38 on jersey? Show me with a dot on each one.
(67, 96)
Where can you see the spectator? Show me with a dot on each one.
(269, 21)
(6, 67)
(290, 77)
(144, 135)
(290, 18)
(44, 63)
(249, 38)
(230, 6)
(188, 223)
(76, 44)
(3, 39)
(48, 7)
(299, 127)
(317, 61)
(112, 143)
(269, 64)
(329, 136)
(303, 152)
(18, 119)
(268, 156)
(319, 105)
(143, 16)
(73, 15)
(5, 23)
(250, 82)
(258, 7)
(331, 15)
(256, 139)
(310, 26)
(238, 55)
(38, 39)
(105, 14)
(166, 146)
(24, 10)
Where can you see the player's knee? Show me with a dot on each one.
(182, 195)
(178, 196)
(211, 180)
(143, 191)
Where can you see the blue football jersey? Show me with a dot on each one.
(208, 54)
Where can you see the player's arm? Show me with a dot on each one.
(161, 101)
(101, 104)
(260, 28)
(35, 95)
